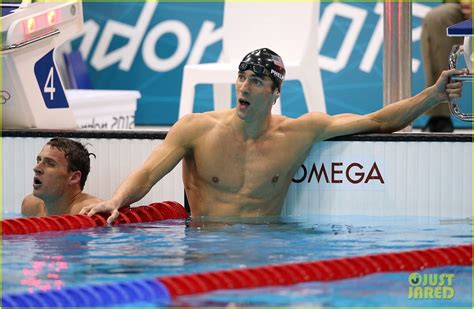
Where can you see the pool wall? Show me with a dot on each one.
(115, 158)
(376, 175)
(405, 175)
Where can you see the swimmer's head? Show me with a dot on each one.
(76, 154)
(265, 62)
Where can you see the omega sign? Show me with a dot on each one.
(339, 172)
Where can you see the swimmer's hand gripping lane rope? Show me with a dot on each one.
(150, 213)
(161, 290)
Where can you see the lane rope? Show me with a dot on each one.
(322, 270)
(161, 290)
(150, 213)
(97, 295)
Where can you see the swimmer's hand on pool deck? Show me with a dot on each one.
(447, 89)
(392, 117)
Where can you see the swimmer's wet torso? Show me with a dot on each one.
(226, 174)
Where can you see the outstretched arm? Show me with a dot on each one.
(392, 117)
(161, 161)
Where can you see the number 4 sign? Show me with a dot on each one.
(49, 86)
(49, 82)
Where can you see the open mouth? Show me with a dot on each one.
(36, 182)
(243, 104)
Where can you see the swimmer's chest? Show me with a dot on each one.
(244, 167)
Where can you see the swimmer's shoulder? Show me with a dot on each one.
(306, 127)
(203, 121)
(33, 207)
(209, 116)
(82, 201)
(313, 120)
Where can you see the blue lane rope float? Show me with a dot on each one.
(161, 290)
(97, 295)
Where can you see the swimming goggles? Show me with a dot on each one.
(256, 68)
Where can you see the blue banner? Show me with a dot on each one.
(144, 46)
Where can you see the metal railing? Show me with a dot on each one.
(453, 102)
(15, 46)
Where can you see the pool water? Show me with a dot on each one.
(54, 260)
(377, 290)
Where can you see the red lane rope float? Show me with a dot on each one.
(150, 213)
(323, 270)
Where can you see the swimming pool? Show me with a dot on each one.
(142, 251)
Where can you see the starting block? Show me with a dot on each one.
(32, 91)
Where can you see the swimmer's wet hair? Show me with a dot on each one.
(76, 154)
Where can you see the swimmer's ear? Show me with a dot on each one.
(75, 177)
(276, 93)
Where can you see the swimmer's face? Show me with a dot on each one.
(52, 177)
(255, 95)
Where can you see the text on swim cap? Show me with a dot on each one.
(277, 74)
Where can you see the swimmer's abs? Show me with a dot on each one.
(219, 200)
(218, 209)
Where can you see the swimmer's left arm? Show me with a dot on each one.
(392, 117)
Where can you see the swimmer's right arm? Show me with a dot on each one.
(138, 183)
(161, 161)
